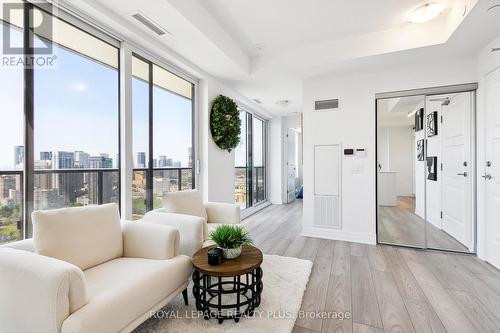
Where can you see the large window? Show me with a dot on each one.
(250, 162)
(59, 132)
(162, 134)
(11, 143)
(241, 171)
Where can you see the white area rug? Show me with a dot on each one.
(285, 280)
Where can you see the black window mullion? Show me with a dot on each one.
(149, 172)
(249, 160)
(28, 78)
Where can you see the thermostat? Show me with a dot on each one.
(348, 151)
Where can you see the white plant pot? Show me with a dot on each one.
(231, 253)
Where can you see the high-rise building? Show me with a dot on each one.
(164, 161)
(48, 199)
(82, 160)
(190, 157)
(100, 162)
(63, 160)
(7, 183)
(18, 156)
(45, 156)
(68, 185)
(141, 159)
(43, 180)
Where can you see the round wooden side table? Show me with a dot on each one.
(230, 290)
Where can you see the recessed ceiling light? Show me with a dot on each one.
(283, 102)
(426, 12)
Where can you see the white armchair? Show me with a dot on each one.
(194, 219)
(85, 271)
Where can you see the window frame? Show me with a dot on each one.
(250, 162)
(28, 173)
(149, 169)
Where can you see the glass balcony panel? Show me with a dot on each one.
(11, 207)
(139, 192)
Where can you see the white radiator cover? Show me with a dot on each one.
(327, 211)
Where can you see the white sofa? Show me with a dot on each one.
(85, 271)
(186, 211)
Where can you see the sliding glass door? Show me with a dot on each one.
(163, 131)
(250, 162)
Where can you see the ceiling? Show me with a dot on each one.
(393, 112)
(265, 49)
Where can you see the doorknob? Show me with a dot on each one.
(487, 176)
(462, 174)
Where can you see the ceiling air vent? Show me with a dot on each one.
(156, 28)
(327, 104)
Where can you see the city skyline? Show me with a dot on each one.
(80, 159)
(76, 108)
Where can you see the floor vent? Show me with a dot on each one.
(327, 211)
(327, 104)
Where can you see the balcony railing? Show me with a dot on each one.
(58, 188)
(242, 183)
(165, 179)
(53, 188)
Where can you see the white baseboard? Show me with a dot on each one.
(348, 236)
(254, 209)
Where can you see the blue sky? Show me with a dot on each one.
(76, 108)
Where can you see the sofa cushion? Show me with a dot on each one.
(185, 202)
(123, 289)
(84, 236)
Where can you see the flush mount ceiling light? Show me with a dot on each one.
(426, 12)
(283, 102)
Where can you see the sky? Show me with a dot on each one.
(76, 108)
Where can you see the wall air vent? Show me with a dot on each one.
(327, 104)
(156, 28)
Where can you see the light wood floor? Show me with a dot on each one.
(387, 289)
(399, 225)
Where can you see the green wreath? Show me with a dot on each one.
(225, 123)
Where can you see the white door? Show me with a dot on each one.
(457, 173)
(491, 170)
(291, 168)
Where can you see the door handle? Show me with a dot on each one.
(462, 174)
(487, 176)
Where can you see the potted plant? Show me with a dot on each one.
(230, 239)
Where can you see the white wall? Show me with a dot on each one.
(276, 157)
(278, 129)
(217, 173)
(395, 153)
(353, 126)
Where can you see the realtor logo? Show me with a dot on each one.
(39, 51)
(40, 22)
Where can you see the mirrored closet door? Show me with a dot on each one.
(425, 171)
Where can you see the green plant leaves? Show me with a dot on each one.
(225, 123)
(230, 237)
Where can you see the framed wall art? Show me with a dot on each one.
(432, 124)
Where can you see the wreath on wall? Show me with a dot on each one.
(225, 123)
